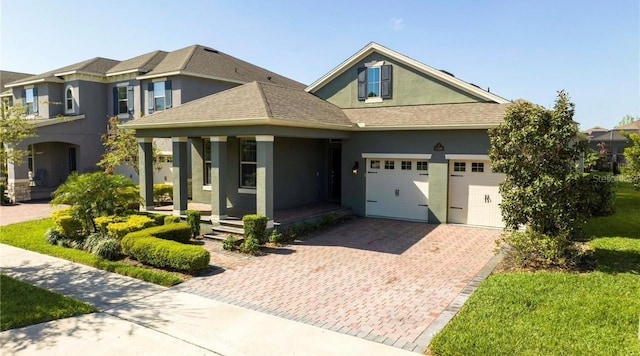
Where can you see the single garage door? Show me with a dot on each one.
(397, 188)
(473, 193)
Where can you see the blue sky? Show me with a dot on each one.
(519, 49)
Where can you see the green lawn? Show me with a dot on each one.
(22, 304)
(30, 236)
(542, 313)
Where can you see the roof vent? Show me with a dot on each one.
(448, 73)
(210, 50)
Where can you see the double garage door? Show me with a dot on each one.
(399, 188)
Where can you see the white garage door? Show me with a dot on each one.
(397, 188)
(473, 193)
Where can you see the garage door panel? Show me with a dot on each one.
(474, 197)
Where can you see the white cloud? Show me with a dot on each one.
(397, 24)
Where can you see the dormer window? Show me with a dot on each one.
(68, 100)
(374, 82)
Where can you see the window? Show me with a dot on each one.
(375, 164)
(30, 100)
(389, 164)
(159, 96)
(422, 165)
(477, 167)
(68, 100)
(459, 166)
(207, 161)
(374, 82)
(248, 163)
(123, 100)
(406, 165)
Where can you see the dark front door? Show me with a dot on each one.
(335, 160)
(72, 160)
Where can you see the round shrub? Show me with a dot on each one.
(170, 219)
(250, 245)
(171, 254)
(93, 240)
(53, 236)
(229, 243)
(108, 249)
(276, 237)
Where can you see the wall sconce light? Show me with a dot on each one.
(354, 170)
(438, 147)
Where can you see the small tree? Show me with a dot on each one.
(97, 194)
(632, 157)
(537, 150)
(14, 128)
(628, 119)
(120, 147)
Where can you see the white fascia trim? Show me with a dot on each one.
(41, 80)
(264, 138)
(466, 157)
(59, 120)
(237, 122)
(145, 139)
(5, 95)
(129, 71)
(374, 47)
(398, 155)
(425, 127)
(191, 74)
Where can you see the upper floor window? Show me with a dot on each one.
(30, 100)
(159, 96)
(374, 82)
(122, 100)
(68, 100)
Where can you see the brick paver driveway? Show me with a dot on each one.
(382, 280)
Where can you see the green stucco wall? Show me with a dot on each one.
(410, 87)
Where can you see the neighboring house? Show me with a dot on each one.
(71, 106)
(381, 133)
(615, 144)
(594, 131)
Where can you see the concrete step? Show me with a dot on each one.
(229, 229)
(231, 222)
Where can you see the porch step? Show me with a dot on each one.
(229, 229)
(231, 222)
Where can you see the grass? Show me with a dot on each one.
(594, 313)
(23, 304)
(30, 236)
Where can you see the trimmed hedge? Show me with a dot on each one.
(193, 219)
(164, 253)
(134, 223)
(103, 222)
(255, 226)
(170, 219)
(67, 223)
(176, 232)
(158, 219)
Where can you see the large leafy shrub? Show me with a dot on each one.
(632, 157)
(97, 194)
(255, 227)
(596, 194)
(169, 254)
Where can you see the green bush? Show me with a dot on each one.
(255, 226)
(4, 199)
(170, 219)
(229, 243)
(103, 222)
(133, 223)
(177, 232)
(53, 236)
(533, 249)
(276, 237)
(193, 219)
(67, 223)
(597, 194)
(250, 245)
(108, 249)
(93, 240)
(169, 254)
(162, 193)
(158, 219)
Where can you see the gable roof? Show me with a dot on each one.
(254, 103)
(8, 77)
(205, 62)
(594, 129)
(97, 66)
(412, 63)
(143, 63)
(444, 116)
(630, 126)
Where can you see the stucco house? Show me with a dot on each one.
(71, 106)
(381, 133)
(615, 144)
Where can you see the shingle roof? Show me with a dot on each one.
(143, 63)
(616, 134)
(205, 61)
(595, 129)
(440, 115)
(8, 77)
(96, 65)
(631, 126)
(252, 101)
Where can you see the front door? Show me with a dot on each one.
(335, 166)
(72, 160)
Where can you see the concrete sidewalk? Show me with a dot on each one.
(139, 317)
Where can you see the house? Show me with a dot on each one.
(614, 143)
(71, 106)
(382, 134)
(594, 131)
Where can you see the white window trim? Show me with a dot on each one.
(423, 156)
(29, 87)
(126, 90)
(66, 98)
(376, 99)
(247, 189)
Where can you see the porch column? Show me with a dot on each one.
(218, 176)
(18, 183)
(145, 169)
(264, 177)
(180, 177)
